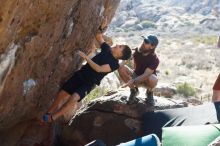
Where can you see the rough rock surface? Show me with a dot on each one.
(111, 119)
(168, 15)
(38, 44)
(165, 90)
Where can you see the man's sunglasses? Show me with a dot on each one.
(146, 41)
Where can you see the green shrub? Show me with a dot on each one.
(207, 40)
(95, 93)
(148, 24)
(186, 89)
(189, 23)
(167, 72)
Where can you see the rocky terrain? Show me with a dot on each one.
(111, 119)
(168, 16)
(188, 32)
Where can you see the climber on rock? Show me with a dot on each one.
(145, 63)
(90, 75)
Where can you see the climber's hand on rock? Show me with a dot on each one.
(81, 54)
(104, 22)
(103, 27)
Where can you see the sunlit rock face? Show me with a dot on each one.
(38, 44)
(110, 119)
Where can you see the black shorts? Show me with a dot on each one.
(76, 84)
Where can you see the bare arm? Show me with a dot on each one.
(124, 62)
(92, 51)
(144, 76)
(99, 35)
(140, 78)
(98, 68)
(99, 38)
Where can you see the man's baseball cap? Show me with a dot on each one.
(151, 39)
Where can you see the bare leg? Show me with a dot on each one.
(125, 73)
(151, 82)
(69, 105)
(62, 95)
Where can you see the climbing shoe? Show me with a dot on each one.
(47, 118)
(132, 98)
(150, 98)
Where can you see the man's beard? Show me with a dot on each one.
(144, 51)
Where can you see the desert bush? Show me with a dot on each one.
(207, 40)
(186, 89)
(148, 24)
(188, 23)
(95, 93)
(167, 72)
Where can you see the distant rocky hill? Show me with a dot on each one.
(187, 32)
(168, 15)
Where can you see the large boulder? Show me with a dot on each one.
(38, 45)
(111, 119)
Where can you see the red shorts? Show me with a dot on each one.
(217, 84)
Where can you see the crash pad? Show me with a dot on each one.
(149, 140)
(201, 135)
(153, 122)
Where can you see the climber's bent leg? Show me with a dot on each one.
(65, 93)
(74, 90)
(78, 94)
(61, 98)
(69, 105)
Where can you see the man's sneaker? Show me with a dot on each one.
(150, 98)
(132, 98)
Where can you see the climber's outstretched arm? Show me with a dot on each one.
(98, 68)
(102, 29)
